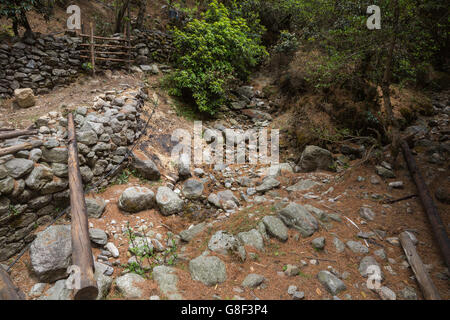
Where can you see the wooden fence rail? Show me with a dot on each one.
(81, 244)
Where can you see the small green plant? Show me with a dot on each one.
(13, 210)
(87, 66)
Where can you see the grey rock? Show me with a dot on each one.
(339, 245)
(113, 249)
(291, 270)
(296, 216)
(268, 184)
(252, 238)
(184, 163)
(380, 253)
(253, 280)
(168, 201)
(147, 168)
(136, 199)
(367, 213)
(104, 282)
(95, 207)
(368, 265)
(192, 189)
(314, 158)
(60, 170)
(6, 185)
(98, 236)
(209, 270)
(275, 227)
(224, 243)
(189, 234)
(58, 291)
(331, 283)
(50, 253)
(357, 247)
(384, 172)
(59, 154)
(37, 289)
(17, 168)
(318, 243)
(126, 285)
(167, 281)
(408, 293)
(386, 294)
(302, 185)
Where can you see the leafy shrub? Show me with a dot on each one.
(210, 53)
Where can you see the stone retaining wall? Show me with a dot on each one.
(49, 61)
(34, 184)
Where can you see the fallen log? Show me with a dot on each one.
(426, 284)
(8, 291)
(428, 204)
(17, 133)
(20, 147)
(85, 285)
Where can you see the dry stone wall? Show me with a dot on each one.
(49, 61)
(34, 183)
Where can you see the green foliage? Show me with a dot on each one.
(212, 52)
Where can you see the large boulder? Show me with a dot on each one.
(168, 201)
(275, 227)
(192, 189)
(298, 217)
(136, 199)
(252, 238)
(209, 270)
(314, 158)
(50, 253)
(146, 168)
(24, 97)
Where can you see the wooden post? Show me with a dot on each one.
(8, 291)
(81, 244)
(428, 204)
(92, 49)
(426, 284)
(18, 133)
(20, 147)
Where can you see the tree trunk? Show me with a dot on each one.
(119, 17)
(392, 126)
(25, 24)
(141, 15)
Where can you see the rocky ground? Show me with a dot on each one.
(167, 229)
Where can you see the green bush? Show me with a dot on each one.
(210, 53)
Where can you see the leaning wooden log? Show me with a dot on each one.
(20, 147)
(17, 133)
(426, 284)
(428, 204)
(8, 291)
(85, 284)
